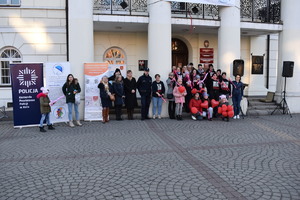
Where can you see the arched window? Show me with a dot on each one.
(115, 56)
(8, 55)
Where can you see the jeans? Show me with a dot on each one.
(70, 105)
(145, 101)
(236, 100)
(178, 109)
(156, 104)
(47, 117)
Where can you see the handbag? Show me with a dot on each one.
(112, 97)
(77, 98)
(170, 96)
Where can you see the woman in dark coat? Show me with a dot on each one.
(105, 92)
(118, 88)
(130, 94)
(70, 89)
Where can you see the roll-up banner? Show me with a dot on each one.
(27, 79)
(93, 75)
(56, 75)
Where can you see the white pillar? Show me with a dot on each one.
(257, 86)
(289, 50)
(159, 41)
(229, 37)
(81, 39)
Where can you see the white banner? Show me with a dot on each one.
(56, 76)
(211, 2)
(93, 75)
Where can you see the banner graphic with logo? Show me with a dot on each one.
(211, 2)
(56, 76)
(27, 79)
(93, 75)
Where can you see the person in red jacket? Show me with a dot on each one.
(195, 103)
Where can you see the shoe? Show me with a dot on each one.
(71, 124)
(180, 117)
(78, 123)
(193, 117)
(238, 117)
(234, 117)
(159, 117)
(50, 127)
(227, 119)
(153, 116)
(210, 119)
(142, 119)
(42, 129)
(177, 117)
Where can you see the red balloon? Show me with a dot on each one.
(230, 113)
(224, 114)
(214, 103)
(204, 104)
(194, 110)
(194, 91)
(224, 108)
(220, 110)
(181, 89)
(229, 107)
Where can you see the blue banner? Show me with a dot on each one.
(27, 79)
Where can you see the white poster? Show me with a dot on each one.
(211, 2)
(93, 75)
(56, 76)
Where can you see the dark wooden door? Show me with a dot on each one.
(179, 53)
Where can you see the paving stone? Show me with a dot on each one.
(251, 158)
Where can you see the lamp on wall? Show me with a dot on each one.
(195, 10)
(123, 4)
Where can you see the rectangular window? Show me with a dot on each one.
(5, 73)
(10, 2)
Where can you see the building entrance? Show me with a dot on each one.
(180, 53)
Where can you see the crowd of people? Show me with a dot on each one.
(202, 92)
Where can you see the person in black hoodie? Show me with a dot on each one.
(158, 91)
(214, 92)
(118, 89)
(144, 87)
(117, 72)
(130, 94)
(225, 86)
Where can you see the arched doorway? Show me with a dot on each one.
(180, 53)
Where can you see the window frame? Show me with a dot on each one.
(115, 59)
(10, 4)
(10, 60)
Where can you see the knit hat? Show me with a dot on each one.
(44, 90)
(197, 77)
(223, 96)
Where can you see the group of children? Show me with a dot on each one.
(203, 92)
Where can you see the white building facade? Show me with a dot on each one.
(164, 33)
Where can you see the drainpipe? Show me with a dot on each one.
(67, 28)
(268, 60)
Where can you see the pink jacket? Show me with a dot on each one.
(179, 97)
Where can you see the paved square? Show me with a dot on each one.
(254, 158)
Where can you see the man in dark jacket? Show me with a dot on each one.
(144, 87)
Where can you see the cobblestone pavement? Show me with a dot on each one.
(251, 158)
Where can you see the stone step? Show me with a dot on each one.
(259, 112)
(262, 106)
